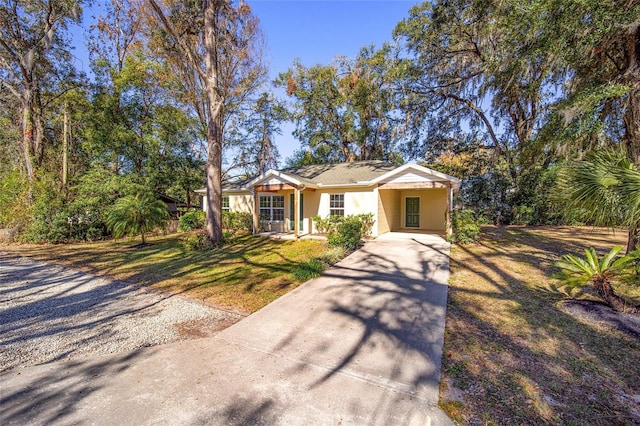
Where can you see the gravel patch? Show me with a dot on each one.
(50, 313)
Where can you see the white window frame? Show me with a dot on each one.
(268, 208)
(227, 201)
(336, 204)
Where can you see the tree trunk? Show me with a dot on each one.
(214, 124)
(65, 145)
(633, 242)
(632, 113)
(632, 118)
(605, 291)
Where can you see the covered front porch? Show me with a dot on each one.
(282, 209)
(421, 207)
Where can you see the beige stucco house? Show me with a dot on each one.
(402, 198)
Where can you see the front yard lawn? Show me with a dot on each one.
(513, 356)
(245, 274)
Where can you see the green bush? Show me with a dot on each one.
(330, 224)
(237, 221)
(194, 219)
(523, 215)
(199, 241)
(321, 225)
(367, 221)
(347, 234)
(466, 227)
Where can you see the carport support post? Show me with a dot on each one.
(296, 213)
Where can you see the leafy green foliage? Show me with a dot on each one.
(136, 214)
(465, 227)
(604, 190)
(345, 110)
(580, 271)
(191, 220)
(199, 241)
(346, 234)
(330, 223)
(237, 221)
(13, 198)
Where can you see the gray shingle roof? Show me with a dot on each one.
(236, 185)
(340, 173)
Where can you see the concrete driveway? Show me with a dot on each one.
(359, 345)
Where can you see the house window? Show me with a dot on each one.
(225, 203)
(336, 204)
(272, 208)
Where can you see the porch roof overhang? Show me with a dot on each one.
(276, 180)
(431, 179)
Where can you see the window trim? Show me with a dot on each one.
(226, 208)
(333, 208)
(270, 207)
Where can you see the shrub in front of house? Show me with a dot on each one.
(191, 220)
(237, 221)
(331, 223)
(465, 227)
(347, 233)
(367, 221)
(199, 241)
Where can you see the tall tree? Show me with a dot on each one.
(251, 136)
(464, 71)
(345, 110)
(34, 57)
(216, 47)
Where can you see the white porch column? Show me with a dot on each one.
(256, 211)
(449, 208)
(296, 212)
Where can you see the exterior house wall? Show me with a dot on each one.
(240, 202)
(356, 201)
(433, 208)
(311, 208)
(389, 212)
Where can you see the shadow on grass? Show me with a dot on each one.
(517, 357)
(251, 270)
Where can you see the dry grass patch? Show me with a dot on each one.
(516, 357)
(245, 274)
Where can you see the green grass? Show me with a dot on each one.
(245, 274)
(516, 356)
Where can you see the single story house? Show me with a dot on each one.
(401, 198)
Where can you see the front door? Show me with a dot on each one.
(292, 219)
(412, 212)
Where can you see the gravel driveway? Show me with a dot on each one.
(50, 313)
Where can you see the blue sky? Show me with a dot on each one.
(313, 31)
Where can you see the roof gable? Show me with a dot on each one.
(416, 173)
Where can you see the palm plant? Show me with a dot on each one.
(604, 190)
(136, 214)
(578, 271)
